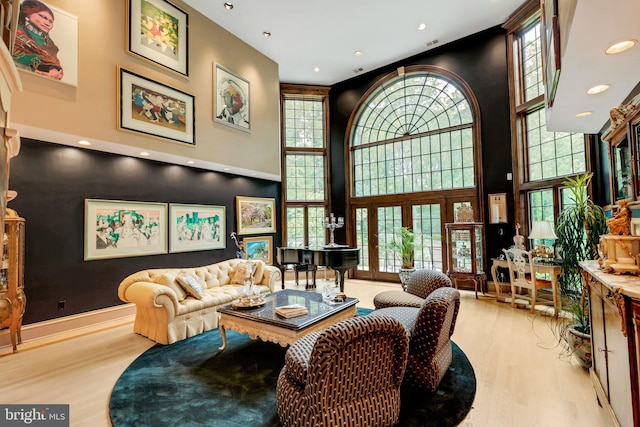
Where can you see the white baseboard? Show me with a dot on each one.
(69, 326)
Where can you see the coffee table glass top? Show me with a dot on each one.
(318, 309)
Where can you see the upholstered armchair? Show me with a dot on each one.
(348, 374)
(421, 283)
(430, 328)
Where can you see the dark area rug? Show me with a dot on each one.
(191, 383)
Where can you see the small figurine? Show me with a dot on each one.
(620, 224)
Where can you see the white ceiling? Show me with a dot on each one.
(326, 33)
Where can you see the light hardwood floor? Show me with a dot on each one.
(523, 380)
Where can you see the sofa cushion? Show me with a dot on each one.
(241, 272)
(169, 280)
(191, 285)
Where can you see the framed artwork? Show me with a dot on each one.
(196, 227)
(497, 208)
(159, 33)
(54, 56)
(260, 248)
(119, 229)
(255, 215)
(231, 99)
(154, 109)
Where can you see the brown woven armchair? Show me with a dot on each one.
(430, 328)
(421, 283)
(348, 374)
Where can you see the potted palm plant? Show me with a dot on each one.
(579, 227)
(403, 246)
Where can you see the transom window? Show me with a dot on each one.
(413, 134)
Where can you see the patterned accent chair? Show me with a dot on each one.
(430, 328)
(420, 285)
(348, 374)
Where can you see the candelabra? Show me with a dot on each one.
(331, 224)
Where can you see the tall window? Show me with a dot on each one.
(546, 158)
(304, 147)
(413, 153)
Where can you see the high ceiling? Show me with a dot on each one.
(326, 34)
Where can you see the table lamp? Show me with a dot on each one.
(542, 230)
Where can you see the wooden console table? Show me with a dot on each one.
(614, 303)
(553, 270)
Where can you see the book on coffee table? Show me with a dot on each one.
(293, 310)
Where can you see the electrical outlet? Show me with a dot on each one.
(62, 305)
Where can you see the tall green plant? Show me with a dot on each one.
(578, 228)
(404, 245)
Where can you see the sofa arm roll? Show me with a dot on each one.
(271, 277)
(151, 295)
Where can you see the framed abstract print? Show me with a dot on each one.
(159, 33)
(154, 109)
(119, 229)
(231, 99)
(196, 227)
(260, 248)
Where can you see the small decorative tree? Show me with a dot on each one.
(403, 245)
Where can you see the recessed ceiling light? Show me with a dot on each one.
(227, 169)
(144, 153)
(266, 34)
(357, 53)
(584, 114)
(422, 26)
(317, 69)
(228, 5)
(83, 142)
(620, 46)
(597, 89)
(190, 162)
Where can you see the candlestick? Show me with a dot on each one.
(331, 224)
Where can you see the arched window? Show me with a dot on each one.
(413, 157)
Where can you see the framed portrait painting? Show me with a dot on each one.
(260, 248)
(232, 100)
(196, 227)
(154, 109)
(255, 215)
(159, 33)
(119, 229)
(46, 42)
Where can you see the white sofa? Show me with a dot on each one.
(166, 313)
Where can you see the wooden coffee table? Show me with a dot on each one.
(264, 323)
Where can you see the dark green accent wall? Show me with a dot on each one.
(53, 182)
(481, 61)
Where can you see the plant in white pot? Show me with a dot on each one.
(403, 245)
(578, 227)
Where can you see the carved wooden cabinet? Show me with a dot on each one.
(12, 297)
(465, 256)
(623, 139)
(614, 304)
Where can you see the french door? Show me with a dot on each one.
(376, 224)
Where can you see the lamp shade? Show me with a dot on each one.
(542, 230)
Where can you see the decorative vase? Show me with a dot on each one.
(580, 347)
(404, 274)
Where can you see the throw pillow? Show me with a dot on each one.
(190, 285)
(241, 272)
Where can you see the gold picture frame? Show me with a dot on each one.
(259, 248)
(255, 215)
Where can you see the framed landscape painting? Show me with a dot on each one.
(260, 248)
(196, 227)
(119, 229)
(154, 109)
(255, 215)
(159, 33)
(48, 46)
(231, 99)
